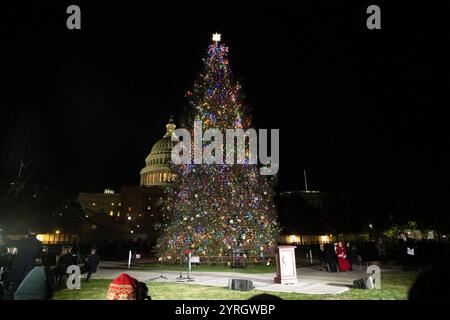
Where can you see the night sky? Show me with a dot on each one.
(361, 110)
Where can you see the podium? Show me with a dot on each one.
(286, 268)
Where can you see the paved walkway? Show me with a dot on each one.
(310, 279)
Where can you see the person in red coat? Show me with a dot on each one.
(343, 263)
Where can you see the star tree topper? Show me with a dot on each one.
(216, 37)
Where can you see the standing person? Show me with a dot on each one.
(351, 257)
(28, 250)
(381, 248)
(330, 257)
(322, 259)
(92, 262)
(411, 254)
(343, 263)
(407, 251)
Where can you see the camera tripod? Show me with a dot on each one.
(181, 278)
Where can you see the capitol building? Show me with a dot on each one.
(157, 164)
(135, 211)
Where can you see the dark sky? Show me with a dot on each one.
(361, 110)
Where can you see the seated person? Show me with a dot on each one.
(63, 263)
(125, 287)
(36, 285)
(91, 264)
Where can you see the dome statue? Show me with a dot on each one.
(157, 170)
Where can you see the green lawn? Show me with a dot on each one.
(395, 286)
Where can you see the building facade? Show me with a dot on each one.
(107, 202)
(135, 212)
(157, 170)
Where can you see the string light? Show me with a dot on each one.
(212, 209)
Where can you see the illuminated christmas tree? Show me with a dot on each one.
(212, 209)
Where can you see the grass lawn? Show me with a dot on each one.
(394, 286)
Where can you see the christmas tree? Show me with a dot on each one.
(212, 209)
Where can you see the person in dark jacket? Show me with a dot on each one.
(36, 285)
(92, 262)
(28, 250)
(351, 254)
(48, 258)
(63, 263)
(408, 252)
(322, 260)
(331, 257)
(381, 249)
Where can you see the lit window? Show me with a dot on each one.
(129, 209)
(112, 203)
(118, 214)
(93, 203)
(120, 204)
(111, 213)
(129, 218)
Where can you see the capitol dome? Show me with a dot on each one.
(157, 170)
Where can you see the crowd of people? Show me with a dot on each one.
(28, 270)
(336, 256)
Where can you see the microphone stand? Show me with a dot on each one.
(161, 276)
(181, 278)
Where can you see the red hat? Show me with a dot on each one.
(122, 288)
